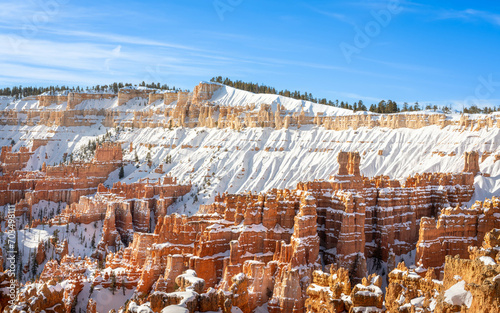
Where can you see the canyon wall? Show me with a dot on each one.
(274, 239)
(125, 209)
(469, 284)
(195, 110)
(454, 231)
(14, 161)
(62, 183)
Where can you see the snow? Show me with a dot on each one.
(261, 309)
(104, 298)
(237, 167)
(284, 169)
(79, 238)
(457, 277)
(366, 309)
(174, 309)
(457, 295)
(97, 104)
(190, 276)
(417, 302)
(144, 308)
(497, 278)
(487, 260)
(368, 291)
(229, 96)
(242, 165)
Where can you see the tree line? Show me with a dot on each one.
(23, 91)
(383, 106)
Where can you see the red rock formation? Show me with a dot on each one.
(7, 283)
(469, 284)
(40, 253)
(454, 231)
(471, 162)
(63, 250)
(204, 92)
(274, 239)
(46, 294)
(49, 99)
(14, 161)
(343, 160)
(255, 248)
(297, 261)
(128, 93)
(125, 209)
(39, 297)
(108, 152)
(64, 183)
(331, 292)
(194, 109)
(406, 285)
(91, 306)
(110, 236)
(37, 143)
(189, 296)
(75, 98)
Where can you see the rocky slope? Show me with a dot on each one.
(223, 200)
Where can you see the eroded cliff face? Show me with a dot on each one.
(62, 183)
(331, 292)
(470, 284)
(57, 288)
(269, 244)
(454, 231)
(195, 109)
(303, 249)
(125, 209)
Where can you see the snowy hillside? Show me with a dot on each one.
(243, 164)
(258, 159)
(229, 96)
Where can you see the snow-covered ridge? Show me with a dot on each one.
(229, 96)
(259, 159)
(64, 93)
(223, 96)
(218, 160)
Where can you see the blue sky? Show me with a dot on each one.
(439, 53)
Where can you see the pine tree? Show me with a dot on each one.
(416, 107)
(113, 282)
(122, 173)
(34, 265)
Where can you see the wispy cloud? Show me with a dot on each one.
(335, 15)
(44, 61)
(409, 6)
(471, 15)
(120, 39)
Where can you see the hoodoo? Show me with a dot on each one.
(221, 200)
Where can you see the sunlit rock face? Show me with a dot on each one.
(111, 220)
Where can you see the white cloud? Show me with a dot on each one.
(470, 15)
